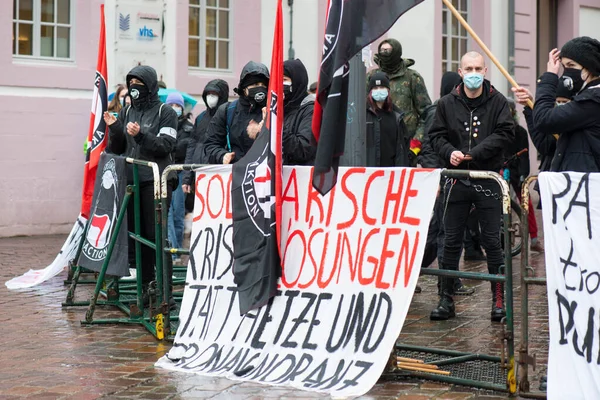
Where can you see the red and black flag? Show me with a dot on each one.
(96, 138)
(256, 197)
(351, 25)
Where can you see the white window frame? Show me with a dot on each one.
(202, 37)
(37, 32)
(447, 64)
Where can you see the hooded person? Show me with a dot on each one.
(215, 94)
(407, 88)
(235, 125)
(298, 141)
(145, 130)
(578, 145)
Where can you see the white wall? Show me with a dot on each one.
(415, 30)
(589, 21)
(305, 33)
(499, 44)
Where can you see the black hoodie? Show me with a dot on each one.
(299, 144)
(158, 127)
(483, 131)
(195, 150)
(215, 146)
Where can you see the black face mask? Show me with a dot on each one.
(258, 96)
(391, 62)
(287, 92)
(139, 93)
(572, 80)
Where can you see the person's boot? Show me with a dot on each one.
(461, 289)
(445, 309)
(497, 302)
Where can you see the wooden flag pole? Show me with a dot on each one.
(483, 46)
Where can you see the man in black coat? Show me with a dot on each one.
(235, 125)
(146, 130)
(471, 128)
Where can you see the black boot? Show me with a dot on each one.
(445, 309)
(497, 302)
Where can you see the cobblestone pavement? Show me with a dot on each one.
(47, 354)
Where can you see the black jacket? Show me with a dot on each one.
(158, 128)
(520, 166)
(216, 137)
(428, 157)
(298, 141)
(544, 144)
(578, 146)
(483, 132)
(184, 136)
(374, 139)
(195, 151)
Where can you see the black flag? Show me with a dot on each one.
(256, 197)
(351, 25)
(109, 192)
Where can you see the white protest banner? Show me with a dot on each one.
(352, 260)
(571, 221)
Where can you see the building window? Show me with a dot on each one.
(42, 28)
(454, 36)
(209, 34)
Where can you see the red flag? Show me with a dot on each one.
(96, 138)
(256, 197)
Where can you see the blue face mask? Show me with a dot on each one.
(379, 94)
(178, 111)
(122, 100)
(473, 80)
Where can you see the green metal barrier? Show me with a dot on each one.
(451, 359)
(527, 278)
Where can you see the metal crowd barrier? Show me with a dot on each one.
(488, 364)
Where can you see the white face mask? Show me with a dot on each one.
(212, 100)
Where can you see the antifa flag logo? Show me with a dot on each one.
(102, 222)
(258, 197)
(100, 104)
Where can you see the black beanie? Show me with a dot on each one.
(450, 80)
(378, 79)
(585, 51)
(252, 79)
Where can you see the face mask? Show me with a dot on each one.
(572, 80)
(379, 94)
(122, 101)
(212, 100)
(139, 93)
(473, 80)
(178, 110)
(560, 104)
(287, 89)
(258, 96)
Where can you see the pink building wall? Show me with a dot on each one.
(41, 138)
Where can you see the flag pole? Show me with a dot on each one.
(485, 49)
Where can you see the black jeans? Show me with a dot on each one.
(460, 196)
(147, 227)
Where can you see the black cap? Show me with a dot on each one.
(585, 51)
(379, 79)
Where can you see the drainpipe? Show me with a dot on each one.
(291, 52)
(511, 38)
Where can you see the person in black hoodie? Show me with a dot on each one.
(235, 125)
(215, 94)
(471, 128)
(146, 130)
(299, 144)
(387, 136)
(578, 146)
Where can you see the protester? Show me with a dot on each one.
(578, 146)
(519, 170)
(299, 144)
(215, 94)
(471, 128)
(118, 100)
(407, 88)
(313, 88)
(235, 125)
(184, 133)
(428, 158)
(146, 130)
(387, 136)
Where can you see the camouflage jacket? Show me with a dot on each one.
(410, 95)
